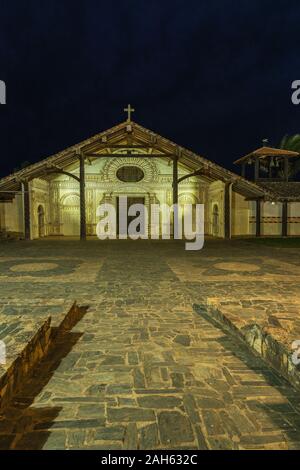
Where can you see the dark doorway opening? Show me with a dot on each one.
(120, 207)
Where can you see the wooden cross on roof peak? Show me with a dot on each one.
(129, 110)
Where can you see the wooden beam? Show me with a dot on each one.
(244, 170)
(175, 194)
(82, 199)
(258, 217)
(190, 175)
(201, 171)
(129, 155)
(105, 145)
(26, 196)
(63, 172)
(284, 222)
(128, 146)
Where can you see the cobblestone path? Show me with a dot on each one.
(143, 370)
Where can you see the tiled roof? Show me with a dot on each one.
(283, 191)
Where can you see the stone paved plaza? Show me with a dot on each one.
(142, 369)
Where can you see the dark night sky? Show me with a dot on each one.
(214, 76)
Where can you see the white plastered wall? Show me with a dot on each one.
(12, 215)
(39, 197)
(294, 218)
(271, 217)
(240, 212)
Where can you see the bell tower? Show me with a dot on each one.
(267, 164)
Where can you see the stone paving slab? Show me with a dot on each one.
(129, 392)
(142, 369)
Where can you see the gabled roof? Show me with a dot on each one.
(267, 152)
(133, 135)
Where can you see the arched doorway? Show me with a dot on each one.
(215, 221)
(187, 205)
(71, 215)
(41, 221)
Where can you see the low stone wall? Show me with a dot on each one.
(273, 352)
(264, 341)
(22, 366)
(73, 316)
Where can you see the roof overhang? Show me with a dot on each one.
(128, 138)
(265, 152)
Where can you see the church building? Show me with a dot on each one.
(59, 196)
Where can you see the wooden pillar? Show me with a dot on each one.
(270, 168)
(175, 193)
(258, 218)
(26, 195)
(286, 169)
(284, 223)
(256, 169)
(82, 199)
(175, 179)
(244, 170)
(227, 210)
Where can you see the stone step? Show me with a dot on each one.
(267, 326)
(25, 343)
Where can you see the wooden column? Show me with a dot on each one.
(256, 169)
(270, 168)
(227, 210)
(175, 179)
(175, 192)
(286, 169)
(258, 218)
(244, 170)
(284, 222)
(27, 228)
(82, 199)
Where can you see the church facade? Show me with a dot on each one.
(59, 195)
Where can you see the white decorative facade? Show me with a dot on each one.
(60, 197)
